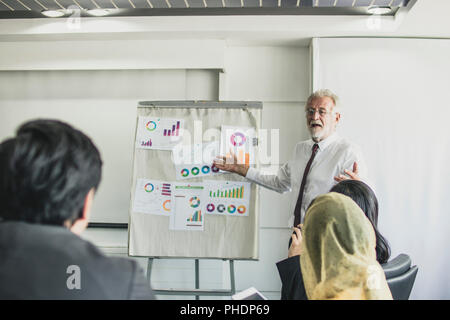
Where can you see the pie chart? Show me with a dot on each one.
(237, 139)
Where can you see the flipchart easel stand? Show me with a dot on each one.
(197, 292)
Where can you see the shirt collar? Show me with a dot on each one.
(326, 142)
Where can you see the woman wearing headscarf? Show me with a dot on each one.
(338, 259)
(289, 269)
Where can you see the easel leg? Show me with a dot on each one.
(149, 269)
(232, 285)
(197, 278)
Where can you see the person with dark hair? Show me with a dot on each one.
(289, 269)
(49, 173)
(365, 198)
(338, 260)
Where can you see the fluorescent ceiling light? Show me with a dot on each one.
(98, 12)
(379, 9)
(53, 13)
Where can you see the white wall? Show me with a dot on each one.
(394, 97)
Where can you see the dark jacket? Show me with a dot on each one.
(292, 287)
(50, 262)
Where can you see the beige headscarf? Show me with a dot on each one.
(339, 258)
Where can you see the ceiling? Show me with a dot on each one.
(419, 19)
(19, 9)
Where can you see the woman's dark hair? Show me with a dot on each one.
(367, 201)
(46, 171)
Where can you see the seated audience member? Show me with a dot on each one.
(289, 269)
(339, 258)
(49, 173)
(365, 198)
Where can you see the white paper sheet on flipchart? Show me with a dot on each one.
(216, 202)
(153, 197)
(230, 134)
(152, 133)
(186, 200)
(195, 161)
(223, 236)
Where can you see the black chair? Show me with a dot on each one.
(400, 276)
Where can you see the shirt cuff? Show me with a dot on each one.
(252, 173)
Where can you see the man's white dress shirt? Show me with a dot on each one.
(335, 154)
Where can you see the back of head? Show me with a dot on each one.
(366, 199)
(46, 171)
(339, 259)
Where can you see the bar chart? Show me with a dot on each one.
(158, 133)
(147, 143)
(237, 193)
(231, 198)
(187, 213)
(195, 217)
(242, 157)
(174, 131)
(165, 189)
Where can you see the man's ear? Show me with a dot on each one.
(81, 223)
(338, 117)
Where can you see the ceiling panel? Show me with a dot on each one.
(10, 9)
(290, 3)
(325, 3)
(193, 3)
(363, 3)
(214, 3)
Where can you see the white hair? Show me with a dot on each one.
(324, 93)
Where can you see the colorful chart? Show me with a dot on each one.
(174, 131)
(237, 193)
(149, 187)
(152, 197)
(187, 213)
(185, 172)
(237, 139)
(195, 160)
(152, 133)
(205, 169)
(151, 125)
(166, 205)
(194, 202)
(241, 141)
(195, 217)
(241, 209)
(242, 157)
(231, 198)
(195, 171)
(165, 190)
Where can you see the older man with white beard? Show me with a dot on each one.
(316, 165)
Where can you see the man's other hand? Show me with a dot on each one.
(353, 175)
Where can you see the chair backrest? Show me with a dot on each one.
(400, 276)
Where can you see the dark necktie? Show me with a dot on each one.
(298, 206)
